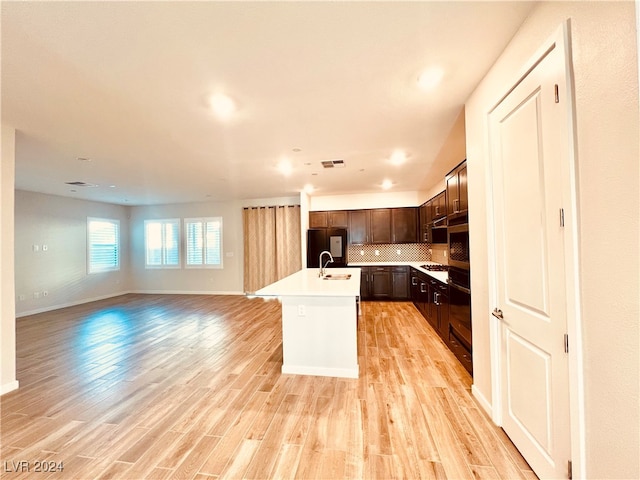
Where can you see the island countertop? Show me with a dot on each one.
(307, 283)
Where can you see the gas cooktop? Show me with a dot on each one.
(436, 267)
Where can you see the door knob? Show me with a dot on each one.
(497, 313)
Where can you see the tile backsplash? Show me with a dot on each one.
(389, 252)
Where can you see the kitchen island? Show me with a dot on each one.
(319, 321)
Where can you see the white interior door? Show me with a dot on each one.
(527, 131)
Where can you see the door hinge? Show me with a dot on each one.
(562, 217)
(569, 470)
(566, 343)
(557, 93)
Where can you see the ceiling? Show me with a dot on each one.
(127, 86)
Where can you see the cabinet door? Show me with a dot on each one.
(338, 219)
(441, 300)
(358, 227)
(365, 290)
(380, 226)
(404, 225)
(414, 286)
(400, 283)
(439, 208)
(463, 201)
(318, 220)
(425, 219)
(452, 192)
(380, 282)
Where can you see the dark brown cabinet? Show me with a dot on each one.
(457, 196)
(383, 225)
(329, 219)
(380, 226)
(439, 207)
(424, 215)
(318, 219)
(365, 290)
(400, 283)
(380, 283)
(358, 227)
(404, 225)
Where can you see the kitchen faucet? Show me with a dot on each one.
(321, 273)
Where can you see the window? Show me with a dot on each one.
(162, 243)
(104, 244)
(204, 242)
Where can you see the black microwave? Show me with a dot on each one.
(459, 246)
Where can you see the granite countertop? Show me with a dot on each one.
(307, 283)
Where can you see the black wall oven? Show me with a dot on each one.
(459, 335)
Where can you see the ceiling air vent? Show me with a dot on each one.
(333, 164)
(81, 184)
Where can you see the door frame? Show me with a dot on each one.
(560, 40)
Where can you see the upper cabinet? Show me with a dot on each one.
(383, 225)
(380, 226)
(439, 207)
(457, 203)
(404, 225)
(359, 227)
(329, 219)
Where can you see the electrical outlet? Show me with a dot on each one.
(22, 298)
(398, 251)
(377, 253)
(362, 252)
(45, 248)
(444, 253)
(301, 311)
(45, 293)
(36, 248)
(36, 294)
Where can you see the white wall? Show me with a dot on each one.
(604, 45)
(60, 223)
(190, 280)
(365, 200)
(8, 380)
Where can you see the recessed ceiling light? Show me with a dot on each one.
(112, 186)
(398, 157)
(285, 167)
(83, 159)
(430, 78)
(387, 184)
(297, 150)
(222, 105)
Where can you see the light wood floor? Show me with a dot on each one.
(151, 386)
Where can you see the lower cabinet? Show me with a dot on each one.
(385, 283)
(432, 299)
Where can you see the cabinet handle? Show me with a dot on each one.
(456, 205)
(422, 289)
(414, 281)
(436, 298)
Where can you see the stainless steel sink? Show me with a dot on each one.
(337, 276)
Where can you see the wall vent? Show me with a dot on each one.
(81, 184)
(333, 164)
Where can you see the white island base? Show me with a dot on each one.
(323, 340)
(319, 322)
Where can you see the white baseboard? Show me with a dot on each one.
(321, 371)
(482, 400)
(68, 304)
(185, 292)
(9, 387)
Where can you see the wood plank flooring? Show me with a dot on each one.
(189, 387)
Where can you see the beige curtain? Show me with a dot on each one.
(271, 244)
